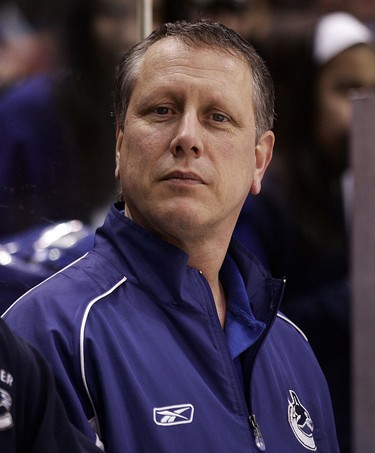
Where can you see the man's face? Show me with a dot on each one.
(187, 156)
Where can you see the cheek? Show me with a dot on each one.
(338, 110)
(334, 118)
(239, 169)
(138, 156)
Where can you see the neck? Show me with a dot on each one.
(209, 260)
(220, 301)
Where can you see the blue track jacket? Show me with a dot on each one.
(140, 357)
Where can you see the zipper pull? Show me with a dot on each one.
(259, 441)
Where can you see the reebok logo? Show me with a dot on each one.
(174, 415)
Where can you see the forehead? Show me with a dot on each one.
(356, 61)
(172, 56)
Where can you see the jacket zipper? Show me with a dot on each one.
(254, 427)
(259, 441)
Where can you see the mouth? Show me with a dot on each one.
(180, 177)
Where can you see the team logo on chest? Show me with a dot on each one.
(6, 420)
(301, 422)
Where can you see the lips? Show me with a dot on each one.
(183, 177)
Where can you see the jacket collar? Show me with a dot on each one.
(145, 254)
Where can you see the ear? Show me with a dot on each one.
(263, 156)
(119, 138)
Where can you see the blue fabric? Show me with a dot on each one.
(131, 330)
(241, 328)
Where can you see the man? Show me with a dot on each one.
(32, 417)
(166, 336)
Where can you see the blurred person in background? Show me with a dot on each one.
(55, 123)
(299, 226)
(32, 416)
(24, 49)
(31, 145)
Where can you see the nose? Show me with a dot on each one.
(188, 137)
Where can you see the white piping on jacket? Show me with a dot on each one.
(82, 346)
(283, 317)
(40, 283)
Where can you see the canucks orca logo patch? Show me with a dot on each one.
(6, 420)
(301, 422)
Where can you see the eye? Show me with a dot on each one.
(161, 110)
(219, 118)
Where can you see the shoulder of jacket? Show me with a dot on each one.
(291, 323)
(88, 277)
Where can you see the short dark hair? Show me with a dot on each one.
(199, 33)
